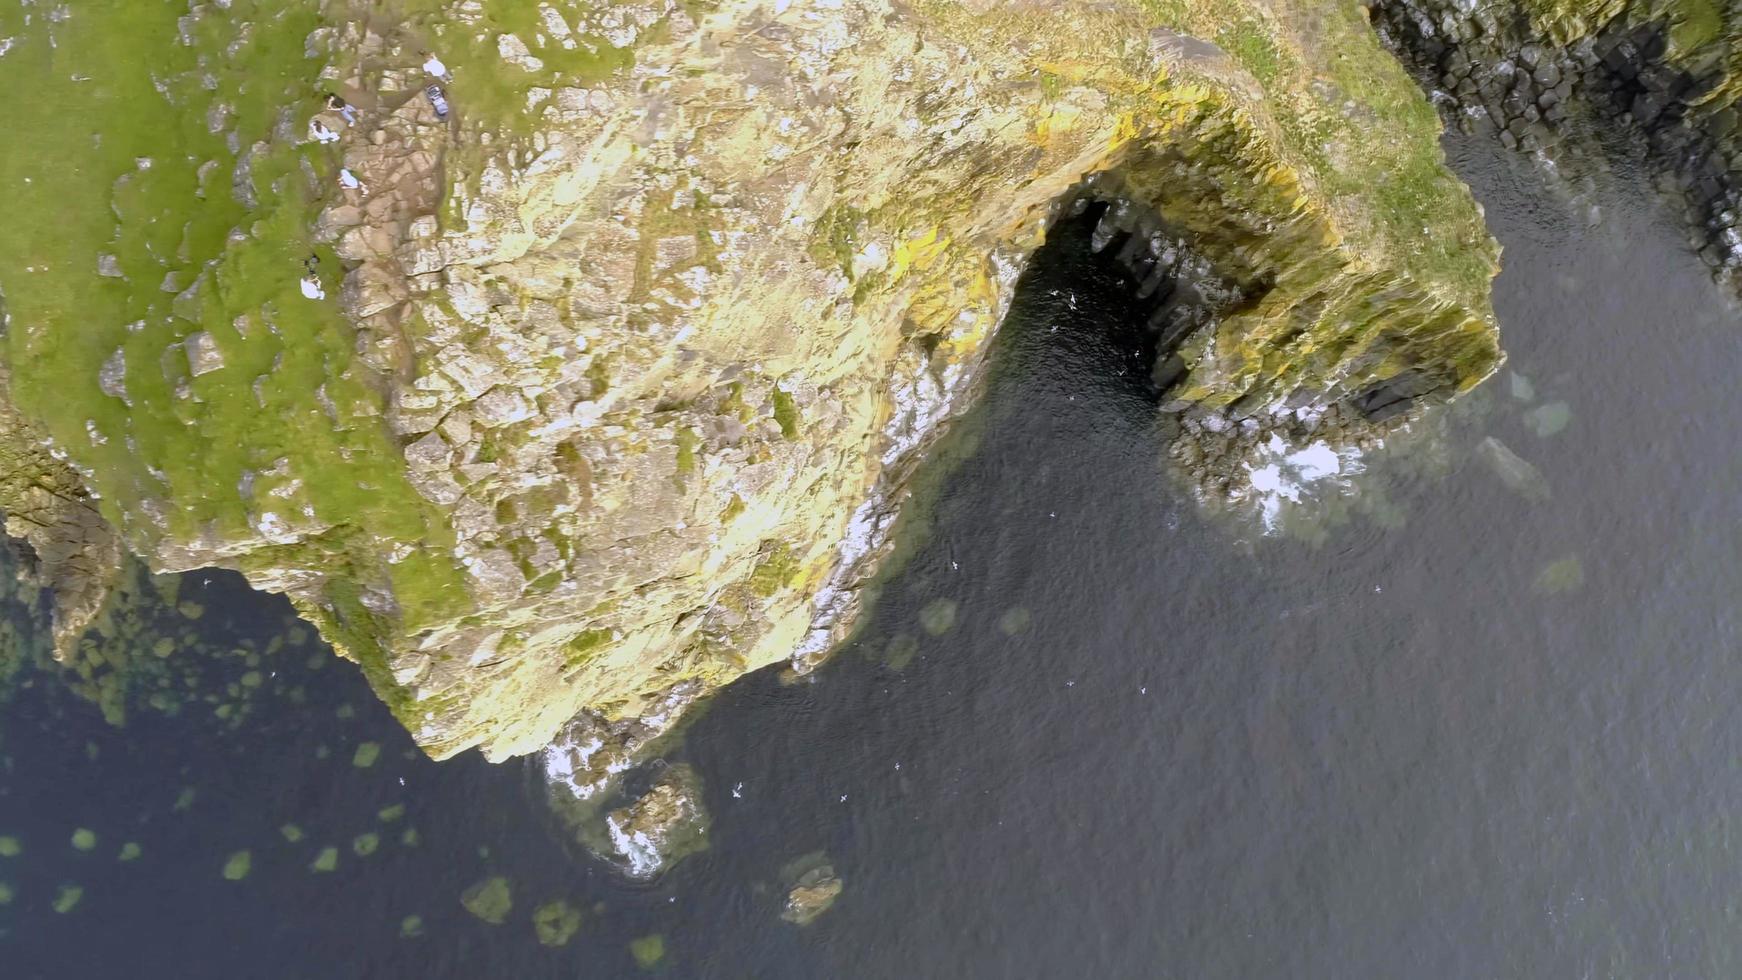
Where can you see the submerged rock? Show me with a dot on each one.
(938, 616)
(1565, 575)
(491, 900)
(661, 826)
(67, 898)
(648, 951)
(1519, 476)
(238, 865)
(1549, 419)
(814, 886)
(327, 860)
(556, 922)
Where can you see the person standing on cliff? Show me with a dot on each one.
(349, 181)
(433, 66)
(343, 108)
(311, 283)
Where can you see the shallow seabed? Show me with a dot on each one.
(1491, 735)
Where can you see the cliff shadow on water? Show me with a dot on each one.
(1092, 323)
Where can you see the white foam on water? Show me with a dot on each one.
(1282, 474)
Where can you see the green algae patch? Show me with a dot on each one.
(1015, 621)
(184, 800)
(291, 833)
(130, 851)
(648, 951)
(365, 844)
(84, 840)
(10, 847)
(556, 922)
(389, 814)
(366, 755)
(490, 900)
(67, 898)
(7, 894)
(238, 865)
(326, 860)
(813, 886)
(410, 837)
(411, 927)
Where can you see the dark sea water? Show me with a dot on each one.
(1499, 739)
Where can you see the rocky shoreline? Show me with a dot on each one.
(1640, 74)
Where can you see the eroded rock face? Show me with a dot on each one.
(638, 342)
(73, 551)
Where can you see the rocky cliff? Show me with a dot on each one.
(622, 345)
(1657, 80)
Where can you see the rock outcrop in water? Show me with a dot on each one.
(631, 352)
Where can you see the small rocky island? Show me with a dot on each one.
(563, 362)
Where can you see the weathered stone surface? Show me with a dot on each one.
(204, 356)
